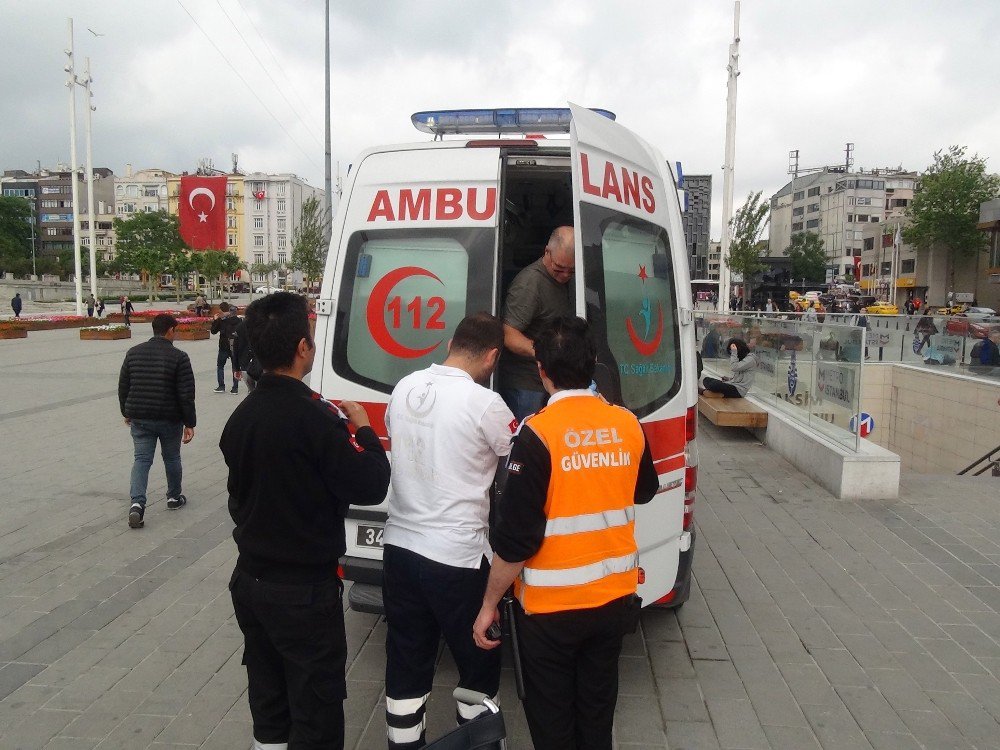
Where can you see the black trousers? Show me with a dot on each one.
(728, 390)
(424, 600)
(570, 664)
(295, 653)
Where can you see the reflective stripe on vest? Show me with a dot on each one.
(581, 575)
(589, 522)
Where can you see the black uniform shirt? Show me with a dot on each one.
(293, 471)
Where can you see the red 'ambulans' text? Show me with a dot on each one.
(437, 204)
(616, 183)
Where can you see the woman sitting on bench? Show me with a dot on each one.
(744, 367)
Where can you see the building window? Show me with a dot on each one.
(281, 205)
(281, 225)
(232, 240)
(813, 191)
(258, 205)
(230, 204)
(258, 187)
(798, 211)
(797, 226)
(869, 243)
(812, 223)
(281, 188)
(908, 266)
(850, 218)
(50, 204)
(799, 195)
(231, 188)
(863, 201)
(862, 218)
(51, 232)
(132, 191)
(282, 257)
(258, 222)
(149, 209)
(282, 241)
(258, 240)
(231, 222)
(258, 258)
(813, 208)
(120, 191)
(149, 191)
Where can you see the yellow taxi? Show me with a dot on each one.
(882, 308)
(953, 310)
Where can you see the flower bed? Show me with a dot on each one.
(105, 333)
(13, 329)
(56, 322)
(193, 329)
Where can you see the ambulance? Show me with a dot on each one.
(427, 233)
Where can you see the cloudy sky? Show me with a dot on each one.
(179, 80)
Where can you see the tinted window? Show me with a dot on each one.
(402, 294)
(632, 308)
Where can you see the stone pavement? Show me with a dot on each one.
(812, 623)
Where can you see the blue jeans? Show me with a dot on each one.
(145, 433)
(523, 403)
(220, 367)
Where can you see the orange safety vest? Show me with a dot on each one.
(588, 556)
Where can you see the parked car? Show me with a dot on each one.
(961, 325)
(882, 308)
(953, 310)
(979, 313)
(265, 290)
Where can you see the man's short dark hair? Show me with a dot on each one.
(567, 353)
(163, 323)
(477, 334)
(224, 306)
(275, 326)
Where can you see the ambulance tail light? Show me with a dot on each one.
(690, 466)
(691, 424)
(465, 121)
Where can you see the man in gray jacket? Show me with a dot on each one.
(156, 395)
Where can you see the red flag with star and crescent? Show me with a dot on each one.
(202, 212)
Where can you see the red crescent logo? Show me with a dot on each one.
(375, 312)
(647, 348)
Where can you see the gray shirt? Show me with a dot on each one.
(534, 299)
(743, 371)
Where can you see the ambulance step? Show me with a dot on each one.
(363, 597)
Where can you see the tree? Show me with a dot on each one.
(179, 265)
(945, 211)
(309, 246)
(746, 227)
(808, 257)
(15, 235)
(148, 243)
(214, 263)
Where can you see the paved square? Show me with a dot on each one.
(813, 622)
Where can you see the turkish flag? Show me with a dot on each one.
(202, 210)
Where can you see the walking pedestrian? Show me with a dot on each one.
(225, 324)
(156, 396)
(294, 468)
(100, 308)
(564, 536)
(15, 304)
(91, 304)
(245, 365)
(127, 310)
(200, 306)
(448, 430)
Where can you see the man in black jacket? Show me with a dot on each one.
(156, 396)
(225, 324)
(294, 468)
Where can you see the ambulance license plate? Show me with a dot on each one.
(370, 536)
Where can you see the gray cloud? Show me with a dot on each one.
(898, 78)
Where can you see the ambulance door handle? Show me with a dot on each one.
(686, 316)
(325, 306)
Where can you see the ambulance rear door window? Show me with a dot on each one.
(402, 295)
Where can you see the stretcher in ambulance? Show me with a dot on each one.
(427, 233)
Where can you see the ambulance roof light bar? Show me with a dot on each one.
(479, 121)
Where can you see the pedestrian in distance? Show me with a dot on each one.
(246, 367)
(225, 324)
(539, 294)
(810, 316)
(15, 304)
(564, 537)
(448, 432)
(100, 308)
(127, 310)
(200, 306)
(156, 397)
(743, 364)
(294, 469)
(91, 304)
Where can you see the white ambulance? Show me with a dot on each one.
(427, 233)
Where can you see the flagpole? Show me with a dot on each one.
(92, 232)
(74, 188)
(727, 175)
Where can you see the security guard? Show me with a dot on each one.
(564, 536)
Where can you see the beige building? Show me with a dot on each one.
(142, 191)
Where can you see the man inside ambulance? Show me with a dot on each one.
(539, 294)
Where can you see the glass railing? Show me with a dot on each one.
(954, 343)
(810, 371)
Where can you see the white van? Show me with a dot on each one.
(429, 232)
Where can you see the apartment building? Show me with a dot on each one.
(697, 218)
(141, 191)
(273, 210)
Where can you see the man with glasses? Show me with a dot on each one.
(539, 294)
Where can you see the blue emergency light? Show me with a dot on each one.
(455, 121)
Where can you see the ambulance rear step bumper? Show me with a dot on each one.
(365, 594)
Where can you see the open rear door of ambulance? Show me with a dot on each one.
(629, 243)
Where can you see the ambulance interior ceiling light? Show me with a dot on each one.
(457, 121)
